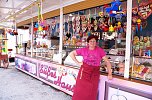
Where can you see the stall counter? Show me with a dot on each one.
(64, 78)
(124, 89)
(58, 76)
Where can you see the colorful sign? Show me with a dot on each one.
(145, 10)
(25, 65)
(61, 77)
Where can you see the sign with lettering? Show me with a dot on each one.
(60, 77)
(145, 10)
(25, 65)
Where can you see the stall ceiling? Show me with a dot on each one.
(23, 10)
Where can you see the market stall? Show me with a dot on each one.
(128, 48)
(4, 62)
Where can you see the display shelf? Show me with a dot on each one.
(115, 55)
(4, 39)
(142, 69)
(73, 46)
(117, 62)
(143, 57)
(138, 78)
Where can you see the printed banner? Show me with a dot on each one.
(25, 65)
(61, 77)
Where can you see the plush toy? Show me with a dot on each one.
(89, 25)
(84, 26)
(119, 27)
(111, 28)
(78, 24)
(139, 70)
(95, 25)
(121, 67)
(144, 72)
(15, 32)
(147, 41)
(148, 75)
(74, 24)
(101, 14)
(115, 8)
(135, 11)
(40, 17)
(138, 26)
(134, 20)
(136, 40)
(147, 54)
(73, 40)
(84, 23)
(104, 27)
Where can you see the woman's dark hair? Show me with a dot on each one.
(91, 37)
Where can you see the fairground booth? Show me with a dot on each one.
(125, 33)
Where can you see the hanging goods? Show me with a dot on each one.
(114, 9)
(40, 17)
(138, 26)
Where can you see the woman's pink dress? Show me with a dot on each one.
(88, 77)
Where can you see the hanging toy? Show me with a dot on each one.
(119, 27)
(40, 17)
(138, 26)
(95, 25)
(40, 28)
(111, 28)
(104, 27)
(78, 24)
(89, 25)
(84, 23)
(110, 35)
(95, 21)
(115, 8)
(101, 13)
(15, 32)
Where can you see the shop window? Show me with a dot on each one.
(142, 41)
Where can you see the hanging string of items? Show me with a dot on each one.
(40, 17)
(115, 20)
(12, 30)
(41, 24)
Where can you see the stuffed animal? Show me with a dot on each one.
(139, 25)
(121, 67)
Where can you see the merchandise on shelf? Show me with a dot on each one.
(142, 69)
(3, 48)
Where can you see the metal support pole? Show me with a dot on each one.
(32, 37)
(128, 39)
(15, 28)
(61, 33)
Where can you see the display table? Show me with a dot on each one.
(56, 75)
(64, 78)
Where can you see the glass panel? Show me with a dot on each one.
(142, 41)
(112, 42)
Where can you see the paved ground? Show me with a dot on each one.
(15, 85)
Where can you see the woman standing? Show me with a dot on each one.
(88, 77)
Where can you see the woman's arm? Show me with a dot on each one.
(73, 56)
(108, 64)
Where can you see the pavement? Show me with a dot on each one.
(16, 85)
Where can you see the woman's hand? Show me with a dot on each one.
(110, 77)
(80, 63)
(108, 67)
